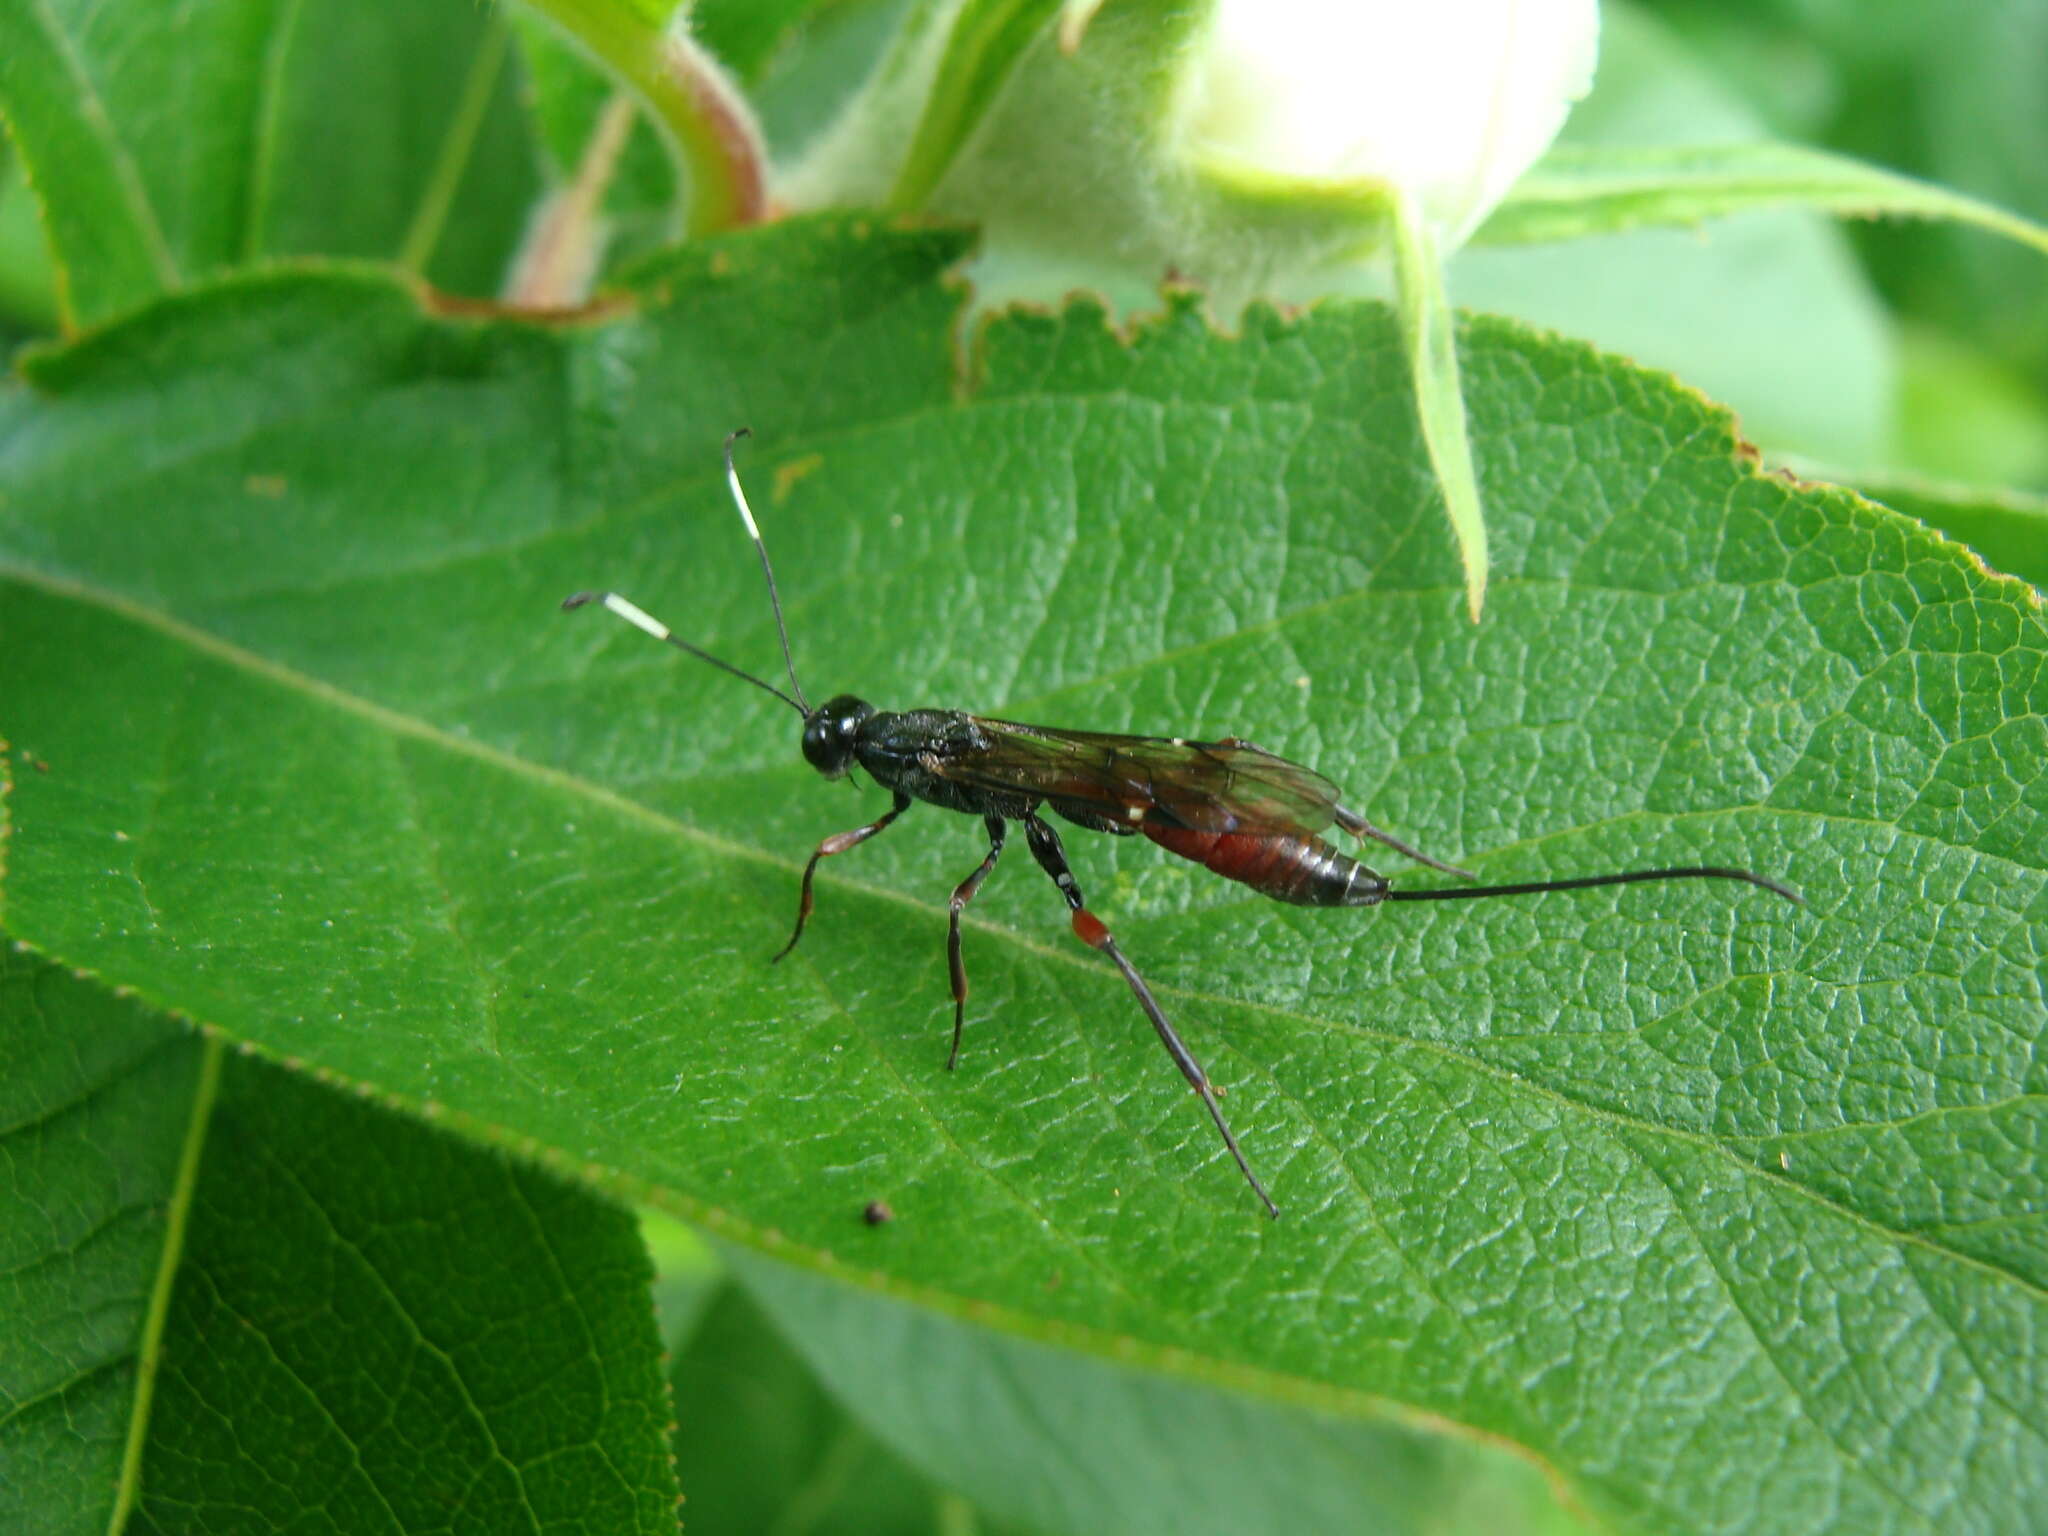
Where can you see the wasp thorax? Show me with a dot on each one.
(830, 731)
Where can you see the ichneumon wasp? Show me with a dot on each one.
(1232, 807)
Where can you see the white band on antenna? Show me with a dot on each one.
(636, 616)
(732, 478)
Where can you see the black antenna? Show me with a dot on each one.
(641, 619)
(1630, 877)
(739, 497)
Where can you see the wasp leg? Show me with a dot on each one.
(838, 842)
(1358, 826)
(1088, 928)
(963, 893)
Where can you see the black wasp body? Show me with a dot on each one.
(1239, 811)
(906, 750)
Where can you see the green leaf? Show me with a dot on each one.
(28, 283)
(380, 1327)
(372, 1324)
(1967, 418)
(749, 34)
(1940, 92)
(1581, 189)
(1137, 1451)
(819, 68)
(1981, 75)
(1722, 1209)
(760, 1446)
(2008, 528)
(687, 1276)
(101, 1113)
(1766, 311)
(112, 248)
(167, 144)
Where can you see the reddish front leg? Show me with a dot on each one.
(838, 842)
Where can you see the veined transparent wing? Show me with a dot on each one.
(1212, 786)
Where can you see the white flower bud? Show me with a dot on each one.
(1448, 101)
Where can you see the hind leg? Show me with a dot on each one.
(1089, 929)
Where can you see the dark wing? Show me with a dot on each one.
(1212, 786)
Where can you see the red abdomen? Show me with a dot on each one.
(1298, 868)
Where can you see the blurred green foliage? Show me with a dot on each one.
(1955, 94)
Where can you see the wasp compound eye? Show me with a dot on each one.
(831, 732)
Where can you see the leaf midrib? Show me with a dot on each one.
(149, 1349)
(133, 191)
(410, 726)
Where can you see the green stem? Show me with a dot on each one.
(702, 116)
(560, 255)
(1429, 331)
(987, 41)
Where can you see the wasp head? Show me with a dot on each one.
(830, 732)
